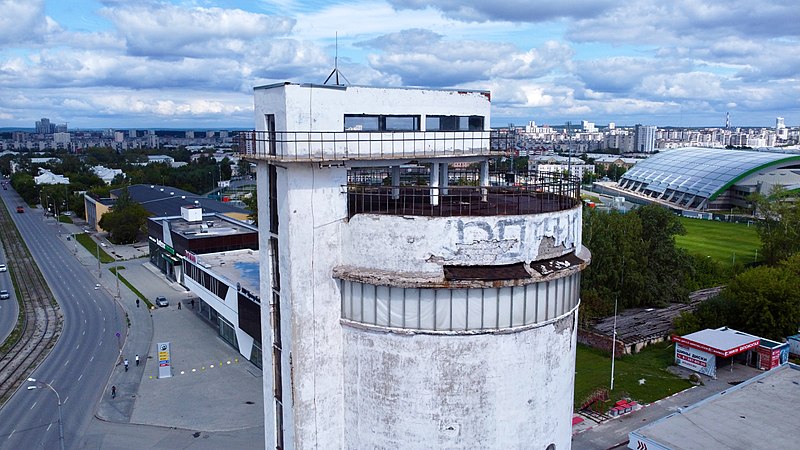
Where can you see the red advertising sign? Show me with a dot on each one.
(715, 351)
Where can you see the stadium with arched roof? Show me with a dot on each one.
(709, 178)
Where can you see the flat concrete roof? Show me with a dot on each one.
(212, 225)
(238, 266)
(759, 413)
(721, 341)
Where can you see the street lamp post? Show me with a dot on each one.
(41, 384)
(44, 205)
(99, 270)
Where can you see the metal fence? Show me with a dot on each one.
(536, 194)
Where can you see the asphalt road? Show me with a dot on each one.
(80, 364)
(8, 308)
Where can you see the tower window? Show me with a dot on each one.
(454, 123)
(373, 122)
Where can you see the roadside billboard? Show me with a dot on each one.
(696, 360)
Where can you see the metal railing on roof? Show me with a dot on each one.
(366, 145)
(542, 193)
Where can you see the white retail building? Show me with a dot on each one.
(409, 302)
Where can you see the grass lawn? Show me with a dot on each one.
(91, 245)
(593, 371)
(720, 240)
(114, 270)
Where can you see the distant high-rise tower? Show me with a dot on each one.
(405, 304)
(779, 123)
(44, 126)
(727, 121)
(644, 138)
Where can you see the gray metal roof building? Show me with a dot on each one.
(707, 178)
(167, 201)
(759, 413)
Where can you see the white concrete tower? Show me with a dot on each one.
(415, 301)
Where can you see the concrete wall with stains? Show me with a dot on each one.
(424, 244)
(422, 391)
(310, 303)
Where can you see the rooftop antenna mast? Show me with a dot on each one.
(336, 66)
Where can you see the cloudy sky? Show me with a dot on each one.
(193, 63)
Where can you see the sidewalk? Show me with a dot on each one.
(212, 388)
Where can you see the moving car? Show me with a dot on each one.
(4, 295)
(3, 268)
(162, 301)
(20, 209)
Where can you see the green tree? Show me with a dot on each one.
(618, 258)
(766, 301)
(251, 202)
(243, 167)
(669, 267)
(225, 170)
(26, 188)
(779, 226)
(125, 220)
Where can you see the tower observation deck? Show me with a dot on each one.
(417, 299)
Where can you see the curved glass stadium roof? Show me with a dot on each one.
(704, 172)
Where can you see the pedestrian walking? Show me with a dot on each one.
(137, 360)
(192, 302)
(137, 302)
(179, 304)
(126, 364)
(113, 392)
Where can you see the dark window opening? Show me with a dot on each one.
(454, 123)
(372, 122)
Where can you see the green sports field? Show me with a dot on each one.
(723, 241)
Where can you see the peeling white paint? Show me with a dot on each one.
(424, 244)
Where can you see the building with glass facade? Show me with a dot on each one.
(709, 178)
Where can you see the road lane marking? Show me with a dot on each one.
(48, 427)
(78, 346)
(79, 378)
(65, 401)
(33, 405)
(91, 359)
(65, 364)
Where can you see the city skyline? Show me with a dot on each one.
(193, 64)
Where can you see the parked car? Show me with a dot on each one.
(3, 268)
(4, 295)
(162, 301)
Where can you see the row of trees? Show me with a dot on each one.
(635, 261)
